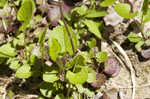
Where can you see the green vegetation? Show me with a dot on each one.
(69, 45)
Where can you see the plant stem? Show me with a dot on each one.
(66, 27)
(68, 91)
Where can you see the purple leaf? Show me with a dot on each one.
(146, 53)
(112, 66)
(100, 80)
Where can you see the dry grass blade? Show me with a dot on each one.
(129, 64)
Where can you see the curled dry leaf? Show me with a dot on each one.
(100, 80)
(145, 53)
(112, 66)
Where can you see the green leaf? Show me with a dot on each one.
(2, 60)
(95, 14)
(10, 94)
(59, 96)
(101, 56)
(93, 27)
(2, 3)
(139, 45)
(134, 38)
(123, 9)
(24, 71)
(80, 10)
(79, 77)
(106, 3)
(7, 51)
(147, 16)
(87, 91)
(77, 60)
(46, 89)
(91, 75)
(50, 76)
(92, 43)
(58, 33)
(145, 7)
(19, 40)
(42, 37)
(54, 49)
(25, 13)
(68, 45)
(14, 64)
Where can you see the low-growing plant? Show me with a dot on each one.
(64, 51)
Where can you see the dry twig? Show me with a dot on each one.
(129, 64)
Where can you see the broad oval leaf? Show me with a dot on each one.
(93, 27)
(145, 7)
(58, 33)
(79, 77)
(14, 64)
(91, 75)
(92, 43)
(87, 91)
(147, 16)
(25, 12)
(54, 49)
(67, 41)
(95, 14)
(123, 9)
(24, 71)
(80, 10)
(139, 45)
(7, 51)
(101, 56)
(46, 89)
(2, 3)
(50, 76)
(134, 37)
(106, 3)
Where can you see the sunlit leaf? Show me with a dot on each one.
(67, 40)
(46, 89)
(134, 37)
(2, 3)
(59, 96)
(42, 37)
(101, 56)
(14, 64)
(24, 72)
(50, 76)
(25, 12)
(7, 51)
(145, 7)
(79, 77)
(54, 49)
(123, 9)
(95, 14)
(93, 27)
(58, 33)
(91, 75)
(81, 10)
(147, 16)
(87, 91)
(106, 3)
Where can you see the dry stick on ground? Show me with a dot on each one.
(129, 87)
(129, 64)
